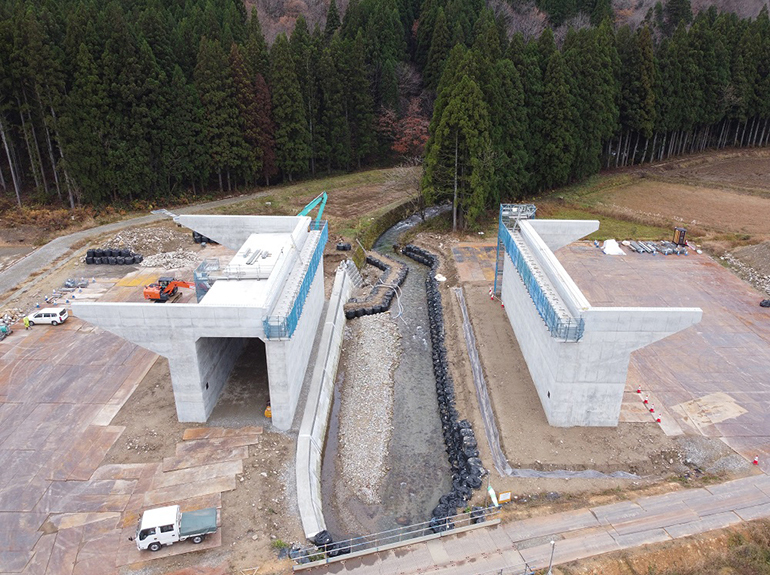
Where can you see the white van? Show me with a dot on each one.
(52, 315)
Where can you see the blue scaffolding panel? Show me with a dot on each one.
(568, 329)
(278, 327)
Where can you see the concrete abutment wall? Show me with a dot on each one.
(580, 383)
(287, 360)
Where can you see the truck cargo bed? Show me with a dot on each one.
(198, 522)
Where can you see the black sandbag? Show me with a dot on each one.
(322, 538)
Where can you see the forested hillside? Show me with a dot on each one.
(153, 100)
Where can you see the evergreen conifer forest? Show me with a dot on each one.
(114, 102)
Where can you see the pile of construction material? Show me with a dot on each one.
(665, 248)
(384, 290)
(461, 445)
(148, 239)
(11, 315)
(178, 259)
(110, 256)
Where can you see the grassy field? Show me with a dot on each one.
(354, 200)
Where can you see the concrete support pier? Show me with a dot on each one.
(271, 290)
(577, 354)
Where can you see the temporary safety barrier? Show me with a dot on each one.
(325, 549)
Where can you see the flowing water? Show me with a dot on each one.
(418, 471)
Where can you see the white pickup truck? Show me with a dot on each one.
(167, 525)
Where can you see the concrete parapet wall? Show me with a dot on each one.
(559, 233)
(312, 432)
(570, 294)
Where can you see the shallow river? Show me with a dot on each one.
(418, 471)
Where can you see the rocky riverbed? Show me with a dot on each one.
(366, 410)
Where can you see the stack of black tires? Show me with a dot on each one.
(459, 438)
(383, 292)
(110, 256)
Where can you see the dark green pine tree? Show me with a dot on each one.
(221, 118)
(487, 37)
(304, 53)
(186, 156)
(334, 131)
(458, 156)
(589, 56)
(456, 62)
(532, 82)
(601, 10)
(558, 116)
(256, 53)
(508, 132)
(677, 12)
(292, 139)
(129, 174)
(353, 20)
(266, 128)
(83, 130)
(558, 10)
(332, 20)
(158, 29)
(439, 51)
(185, 43)
(425, 25)
(358, 101)
(248, 107)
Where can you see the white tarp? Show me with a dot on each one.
(611, 248)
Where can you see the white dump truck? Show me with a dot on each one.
(167, 525)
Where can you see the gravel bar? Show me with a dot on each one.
(366, 409)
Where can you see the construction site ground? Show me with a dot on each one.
(68, 387)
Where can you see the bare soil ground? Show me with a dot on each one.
(526, 438)
(739, 170)
(720, 197)
(707, 210)
(256, 517)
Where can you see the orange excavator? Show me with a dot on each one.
(165, 289)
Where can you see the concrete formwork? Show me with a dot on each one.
(580, 382)
(203, 341)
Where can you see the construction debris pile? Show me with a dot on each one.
(181, 258)
(459, 438)
(11, 315)
(149, 239)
